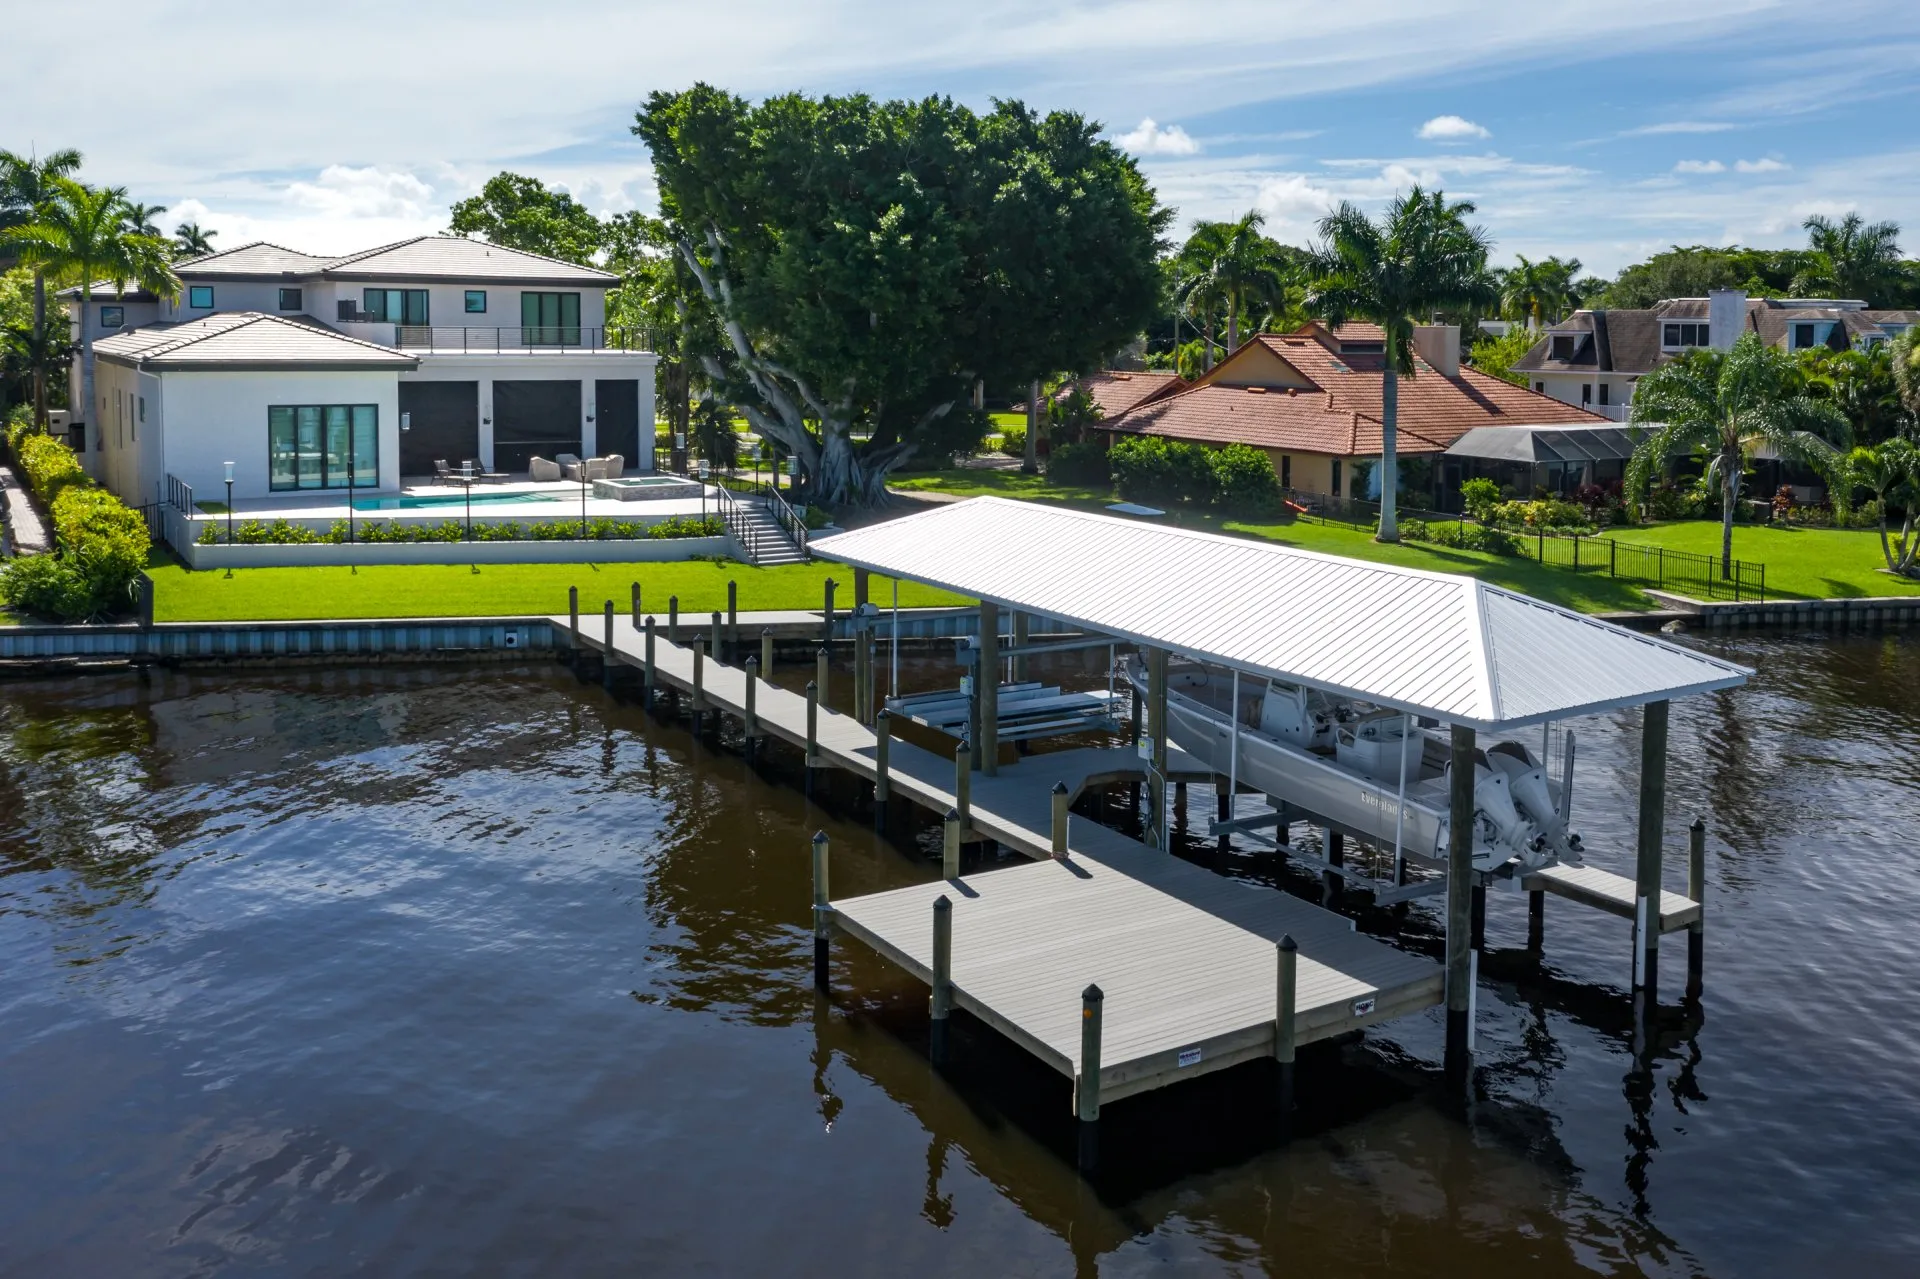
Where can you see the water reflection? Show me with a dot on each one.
(341, 968)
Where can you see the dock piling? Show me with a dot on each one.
(950, 845)
(749, 720)
(646, 668)
(733, 618)
(673, 619)
(573, 618)
(699, 703)
(716, 644)
(1460, 813)
(963, 782)
(1022, 633)
(766, 653)
(882, 779)
(826, 624)
(1653, 801)
(942, 999)
(822, 672)
(822, 912)
(1059, 821)
(1331, 882)
(606, 658)
(986, 675)
(1697, 891)
(1287, 989)
(636, 606)
(1086, 1086)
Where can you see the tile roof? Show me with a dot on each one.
(247, 339)
(1115, 391)
(1339, 412)
(257, 259)
(1360, 331)
(103, 292)
(1628, 340)
(452, 257)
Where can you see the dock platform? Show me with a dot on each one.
(1614, 894)
(1187, 959)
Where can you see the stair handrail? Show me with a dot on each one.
(783, 515)
(734, 517)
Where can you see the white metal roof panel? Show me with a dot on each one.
(1430, 643)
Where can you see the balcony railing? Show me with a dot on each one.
(540, 338)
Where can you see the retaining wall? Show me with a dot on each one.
(1874, 612)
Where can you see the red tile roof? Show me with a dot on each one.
(1340, 412)
(1115, 392)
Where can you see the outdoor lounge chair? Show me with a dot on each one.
(441, 471)
(615, 465)
(569, 465)
(477, 470)
(595, 468)
(538, 468)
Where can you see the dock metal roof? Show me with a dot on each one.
(1436, 644)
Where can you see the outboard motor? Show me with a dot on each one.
(1503, 825)
(1527, 783)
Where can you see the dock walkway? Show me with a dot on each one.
(1187, 959)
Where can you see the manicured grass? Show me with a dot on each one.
(494, 590)
(1587, 592)
(1017, 420)
(1803, 563)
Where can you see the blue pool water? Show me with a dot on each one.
(438, 500)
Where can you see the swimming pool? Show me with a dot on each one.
(436, 501)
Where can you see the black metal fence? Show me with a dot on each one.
(1685, 572)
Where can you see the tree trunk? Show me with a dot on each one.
(1209, 364)
(1233, 328)
(1389, 456)
(1730, 490)
(1031, 464)
(40, 333)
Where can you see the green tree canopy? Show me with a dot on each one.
(869, 261)
(1851, 258)
(521, 213)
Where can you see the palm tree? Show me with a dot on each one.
(189, 241)
(1196, 289)
(81, 234)
(26, 184)
(1906, 374)
(1524, 291)
(1892, 471)
(1249, 272)
(1420, 258)
(1853, 258)
(1728, 405)
(140, 218)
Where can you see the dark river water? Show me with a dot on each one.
(455, 971)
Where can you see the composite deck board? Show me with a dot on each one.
(1186, 959)
(1615, 894)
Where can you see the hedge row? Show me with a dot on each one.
(282, 533)
(1239, 478)
(102, 544)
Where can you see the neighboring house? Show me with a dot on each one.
(1115, 391)
(1312, 400)
(1593, 358)
(433, 348)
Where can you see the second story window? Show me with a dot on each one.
(200, 297)
(1675, 336)
(476, 301)
(395, 306)
(550, 319)
(112, 317)
(289, 299)
(1802, 336)
(1562, 346)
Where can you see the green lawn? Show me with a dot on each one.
(1015, 420)
(492, 590)
(1587, 592)
(1804, 563)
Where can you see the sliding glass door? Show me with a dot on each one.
(323, 446)
(550, 319)
(396, 306)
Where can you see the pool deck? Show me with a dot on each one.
(319, 509)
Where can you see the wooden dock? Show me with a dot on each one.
(1187, 960)
(1603, 890)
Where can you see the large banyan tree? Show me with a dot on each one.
(868, 262)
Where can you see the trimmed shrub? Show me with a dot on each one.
(1465, 537)
(46, 587)
(1150, 469)
(1480, 498)
(1244, 482)
(1013, 441)
(1082, 464)
(103, 544)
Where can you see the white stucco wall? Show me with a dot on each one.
(213, 418)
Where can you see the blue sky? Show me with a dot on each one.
(1601, 132)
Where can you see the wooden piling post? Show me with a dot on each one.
(1653, 802)
(749, 718)
(882, 778)
(1059, 821)
(987, 672)
(699, 704)
(862, 586)
(646, 668)
(636, 606)
(963, 782)
(826, 624)
(766, 653)
(950, 845)
(573, 619)
(863, 675)
(1287, 986)
(1331, 882)
(822, 672)
(813, 729)
(942, 999)
(1697, 891)
(1156, 817)
(1022, 632)
(716, 643)
(733, 618)
(822, 912)
(1460, 810)
(606, 658)
(673, 619)
(1086, 1085)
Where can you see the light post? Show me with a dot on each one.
(793, 474)
(704, 469)
(584, 484)
(678, 461)
(229, 467)
(466, 489)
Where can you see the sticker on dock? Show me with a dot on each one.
(1362, 1007)
(1189, 1057)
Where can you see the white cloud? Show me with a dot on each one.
(1677, 126)
(1765, 164)
(1151, 139)
(1452, 128)
(1699, 166)
(371, 192)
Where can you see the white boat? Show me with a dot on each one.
(1363, 769)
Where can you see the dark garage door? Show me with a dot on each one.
(617, 420)
(534, 418)
(443, 421)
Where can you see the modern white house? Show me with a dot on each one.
(1594, 357)
(312, 373)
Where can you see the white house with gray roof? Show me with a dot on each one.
(293, 366)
